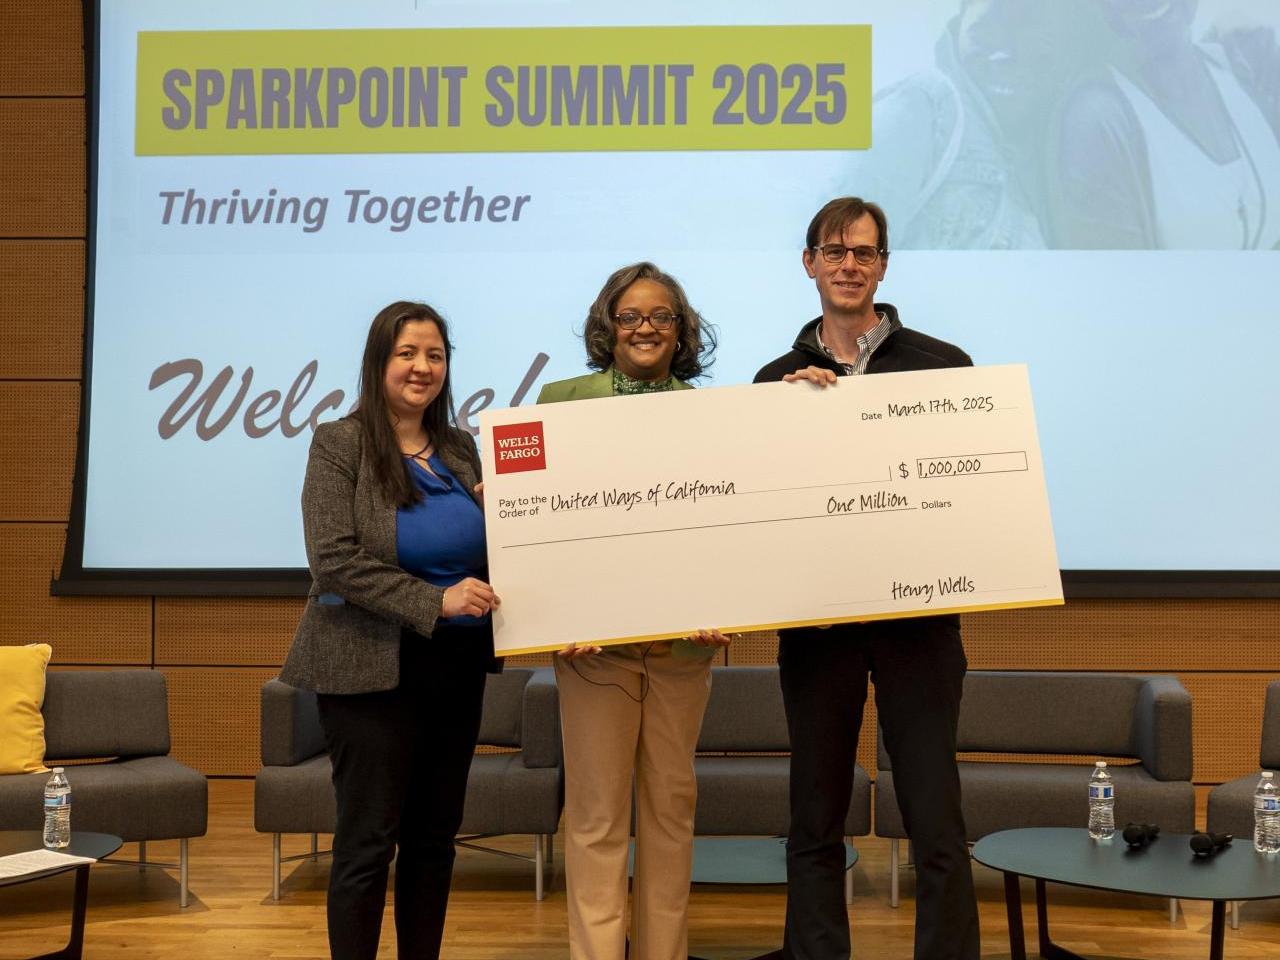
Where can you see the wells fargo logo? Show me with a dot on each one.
(518, 447)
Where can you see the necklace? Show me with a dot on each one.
(624, 385)
(415, 456)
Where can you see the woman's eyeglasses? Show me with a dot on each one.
(659, 319)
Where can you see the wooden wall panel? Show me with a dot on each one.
(42, 154)
(1226, 725)
(759, 648)
(867, 735)
(41, 309)
(1149, 636)
(1128, 636)
(41, 48)
(225, 631)
(37, 448)
(215, 717)
(81, 629)
(532, 660)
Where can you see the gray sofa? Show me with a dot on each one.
(139, 793)
(741, 794)
(1146, 718)
(516, 792)
(1231, 803)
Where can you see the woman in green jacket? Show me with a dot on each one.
(633, 712)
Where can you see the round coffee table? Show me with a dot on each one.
(95, 845)
(1164, 868)
(741, 860)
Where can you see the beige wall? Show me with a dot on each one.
(217, 652)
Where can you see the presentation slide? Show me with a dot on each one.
(1092, 189)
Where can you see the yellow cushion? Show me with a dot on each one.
(21, 696)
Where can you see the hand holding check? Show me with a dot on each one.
(703, 638)
(469, 597)
(818, 376)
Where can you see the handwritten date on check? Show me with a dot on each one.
(766, 506)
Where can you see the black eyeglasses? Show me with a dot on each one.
(835, 253)
(659, 319)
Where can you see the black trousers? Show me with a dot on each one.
(400, 763)
(918, 667)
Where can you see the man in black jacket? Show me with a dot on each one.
(917, 664)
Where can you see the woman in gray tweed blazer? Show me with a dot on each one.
(396, 637)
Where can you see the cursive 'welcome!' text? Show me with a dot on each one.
(217, 405)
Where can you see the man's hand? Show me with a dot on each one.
(573, 651)
(819, 376)
(469, 597)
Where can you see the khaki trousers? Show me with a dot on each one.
(609, 739)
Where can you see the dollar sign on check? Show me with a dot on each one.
(903, 472)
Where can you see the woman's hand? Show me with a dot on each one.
(469, 597)
(573, 651)
(819, 376)
(710, 638)
(478, 490)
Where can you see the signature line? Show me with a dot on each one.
(709, 526)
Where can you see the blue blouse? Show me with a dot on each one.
(441, 538)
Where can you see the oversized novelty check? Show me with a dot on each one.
(774, 505)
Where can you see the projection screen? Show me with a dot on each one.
(266, 176)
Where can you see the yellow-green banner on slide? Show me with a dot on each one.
(503, 90)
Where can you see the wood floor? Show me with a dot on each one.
(492, 914)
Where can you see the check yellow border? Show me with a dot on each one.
(786, 625)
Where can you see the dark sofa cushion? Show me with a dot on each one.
(147, 798)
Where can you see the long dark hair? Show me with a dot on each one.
(695, 338)
(373, 412)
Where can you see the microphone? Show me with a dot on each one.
(1207, 844)
(1138, 835)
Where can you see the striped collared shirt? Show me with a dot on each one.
(868, 344)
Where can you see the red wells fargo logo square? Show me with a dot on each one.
(518, 447)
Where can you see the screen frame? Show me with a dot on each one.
(74, 579)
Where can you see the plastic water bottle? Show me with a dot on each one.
(1102, 803)
(1266, 815)
(57, 810)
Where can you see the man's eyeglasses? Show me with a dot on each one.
(659, 319)
(835, 253)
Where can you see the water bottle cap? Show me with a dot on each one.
(1267, 774)
(57, 770)
(1101, 764)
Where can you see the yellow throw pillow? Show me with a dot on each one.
(21, 696)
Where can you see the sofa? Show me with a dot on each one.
(519, 790)
(1144, 719)
(1231, 803)
(136, 790)
(743, 791)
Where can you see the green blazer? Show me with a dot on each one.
(589, 387)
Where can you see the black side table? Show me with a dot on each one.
(1165, 868)
(96, 845)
